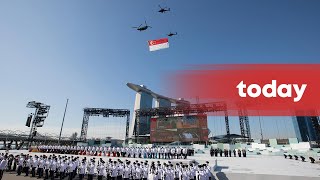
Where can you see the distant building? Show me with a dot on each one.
(304, 129)
(144, 99)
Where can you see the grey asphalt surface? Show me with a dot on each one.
(218, 176)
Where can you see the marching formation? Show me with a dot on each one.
(62, 167)
(129, 152)
(227, 153)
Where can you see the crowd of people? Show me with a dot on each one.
(227, 153)
(62, 167)
(130, 152)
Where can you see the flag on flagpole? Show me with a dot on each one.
(158, 44)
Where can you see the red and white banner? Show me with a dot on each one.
(158, 44)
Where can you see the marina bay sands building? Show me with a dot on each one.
(144, 100)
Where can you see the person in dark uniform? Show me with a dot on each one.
(234, 153)
(225, 153)
(10, 162)
(244, 153)
(216, 152)
(230, 153)
(211, 152)
(239, 152)
(220, 151)
(15, 162)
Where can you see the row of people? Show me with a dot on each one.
(135, 152)
(51, 167)
(227, 153)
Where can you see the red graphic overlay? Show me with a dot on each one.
(180, 128)
(260, 89)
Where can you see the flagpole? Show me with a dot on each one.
(64, 115)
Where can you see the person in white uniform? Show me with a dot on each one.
(101, 170)
(3, 165)
(91, 167)
(82, 169)
(127, 171)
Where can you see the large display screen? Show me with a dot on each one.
(181, 128)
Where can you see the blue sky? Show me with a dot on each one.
(87, 51)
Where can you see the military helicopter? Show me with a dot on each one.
(142, 28)
(163, 10)
(172, 34)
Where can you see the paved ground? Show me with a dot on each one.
(240, 176)
(218, 176)
(268, 165)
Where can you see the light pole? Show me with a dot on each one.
(64, 115)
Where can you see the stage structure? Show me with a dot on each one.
(105, 113)
(165, 106)
(41, 113)
(184, 110)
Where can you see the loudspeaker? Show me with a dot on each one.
(29, 120)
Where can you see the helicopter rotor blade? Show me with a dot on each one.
(137, 27)
(160, 7)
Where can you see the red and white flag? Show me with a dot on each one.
(158, 44)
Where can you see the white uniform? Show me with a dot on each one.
(101, 170)
(63, 167)
(82, 168)
(3, 164)
(137, 173)
(91, 169)
(114, 171)
(127, 172)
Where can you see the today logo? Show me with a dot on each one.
(283, 90)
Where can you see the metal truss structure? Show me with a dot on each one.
(20, 138)
(244, 124)
(316, 126)
(201, 108)
(105, 113)
(41, 113)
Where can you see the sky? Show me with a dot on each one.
(87, 51)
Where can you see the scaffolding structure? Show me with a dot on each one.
(244, 124)
(105, 113)
(316, 126)
(41, 113)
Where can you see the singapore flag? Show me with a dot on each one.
(158, 44)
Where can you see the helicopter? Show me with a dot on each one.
(172, 34)
(142, 28)
(163, 10)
